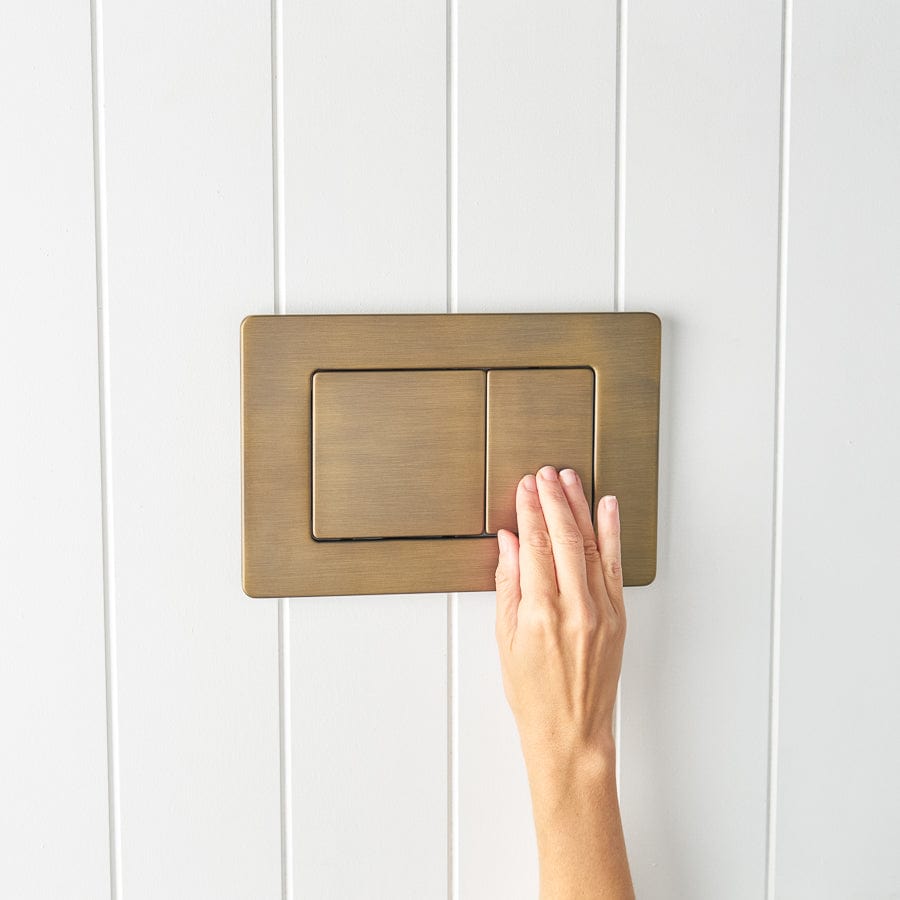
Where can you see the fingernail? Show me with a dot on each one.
(548, 473)
(503, 541)
(610, 503)
(569, 476)
(529, 483)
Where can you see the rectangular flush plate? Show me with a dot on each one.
(380, 453)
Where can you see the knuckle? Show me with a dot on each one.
(612, 567)
(591, 551)
(539, 541)
(542, 618)
(583, 621)
(568, 537)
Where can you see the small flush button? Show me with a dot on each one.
(398, 453)
(536, 417)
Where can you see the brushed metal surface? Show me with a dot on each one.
(398, 454)
(536, 417)
(279, 356)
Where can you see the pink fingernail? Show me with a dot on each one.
(548, 473)
(610, 503)
(568, 476)
(529, 483)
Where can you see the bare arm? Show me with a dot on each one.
(560, 630)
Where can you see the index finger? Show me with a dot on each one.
(537, 572)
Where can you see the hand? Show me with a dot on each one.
(560, 629)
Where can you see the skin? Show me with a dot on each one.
(560, 629)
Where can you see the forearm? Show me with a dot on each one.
(581, 847)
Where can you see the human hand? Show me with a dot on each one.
(560, 629)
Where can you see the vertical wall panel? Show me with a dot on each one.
(838, 820)
(189, 153)
(703, 88)
(365, 231)
(536, 151)
(54, 829)
(365, 190)
(536, 202)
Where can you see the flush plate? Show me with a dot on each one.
(284, 361)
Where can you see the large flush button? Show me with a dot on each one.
(536, 417)
(398, 453)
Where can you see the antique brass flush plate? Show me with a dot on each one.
(381, 452)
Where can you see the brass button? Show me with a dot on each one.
(536, 417)
(398, 453)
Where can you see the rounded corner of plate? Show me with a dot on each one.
(251, 590)
(655, 320)
(247, 323)
(644, 578)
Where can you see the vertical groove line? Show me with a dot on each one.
(621, 96)
(451, 126)
(106, 482)
(452, 747)
(619, 264)
(778, 475)
(452, 158)
(280, 308)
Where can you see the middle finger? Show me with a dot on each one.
(565, 535)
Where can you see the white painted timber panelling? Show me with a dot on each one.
(536, 225)
(54, 828)
(335, 157)
(701, 239)
(536, 150)
(364, 156)
(838, 818)
(365, 231)
(189, 180)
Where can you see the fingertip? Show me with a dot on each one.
(609, 505)
(527, 496)
(507, 541)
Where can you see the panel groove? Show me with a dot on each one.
(452, 163)
(452, 746)
(778, 473)
(106, 504)
(621, 158)
(284, 611)
(619, 258)
(284, 723)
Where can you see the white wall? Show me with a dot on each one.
(167, 168)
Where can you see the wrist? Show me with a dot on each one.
(555, 775)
